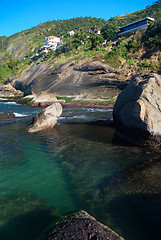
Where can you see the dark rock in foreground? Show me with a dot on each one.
(137, 112)
(81, 226)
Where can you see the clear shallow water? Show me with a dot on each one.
(75, 166)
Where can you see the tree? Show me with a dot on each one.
(109, 31)
(95, 40)
(152, 36)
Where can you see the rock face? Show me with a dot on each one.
(81, 226)
(9, 91)
(47, 118)
(85, 80)
(137, 112)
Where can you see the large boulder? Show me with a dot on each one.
(46, 119)
(137, 111)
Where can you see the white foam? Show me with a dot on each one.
(20, 115)
(12, 103)
(3, 99)
(74, 117)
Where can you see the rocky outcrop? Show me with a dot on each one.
(97, 66)
(137, 111)
(9, 91)
(81, 226)
(84, 80)
(46, 119)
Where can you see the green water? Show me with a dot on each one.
(76, 166)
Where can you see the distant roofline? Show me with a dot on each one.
(147, 18)
(52, 36)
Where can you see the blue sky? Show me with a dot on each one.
(16, 15)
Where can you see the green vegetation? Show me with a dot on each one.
(25, 101)
(67, 99)
(134, 52)
(152, 37)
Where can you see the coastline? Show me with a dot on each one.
(90, 105)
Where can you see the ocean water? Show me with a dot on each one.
(73, 166)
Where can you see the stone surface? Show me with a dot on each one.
(137, 111)
(97, 66)
(84, 80)
(47, 118)
(9, 91)
(81, 226)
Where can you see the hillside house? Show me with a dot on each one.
(135, 26)
(94, 30)
(50, 43)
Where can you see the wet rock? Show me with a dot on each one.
(137, 111)
(47, 118)
(81, 226)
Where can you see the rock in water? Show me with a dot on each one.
(47, 118)
(81, 226)
(137, 112)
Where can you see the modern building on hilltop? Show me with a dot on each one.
(135, 26)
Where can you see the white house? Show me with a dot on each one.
(50, 43)
(71, 33)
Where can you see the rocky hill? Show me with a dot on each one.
(58, 71)
(85, 80)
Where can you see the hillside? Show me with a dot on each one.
(30, 40)
(16, 50)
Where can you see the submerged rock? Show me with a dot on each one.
(23, 216)
(137, 111)
(47, 118)
(81, 226)
(144, 179)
